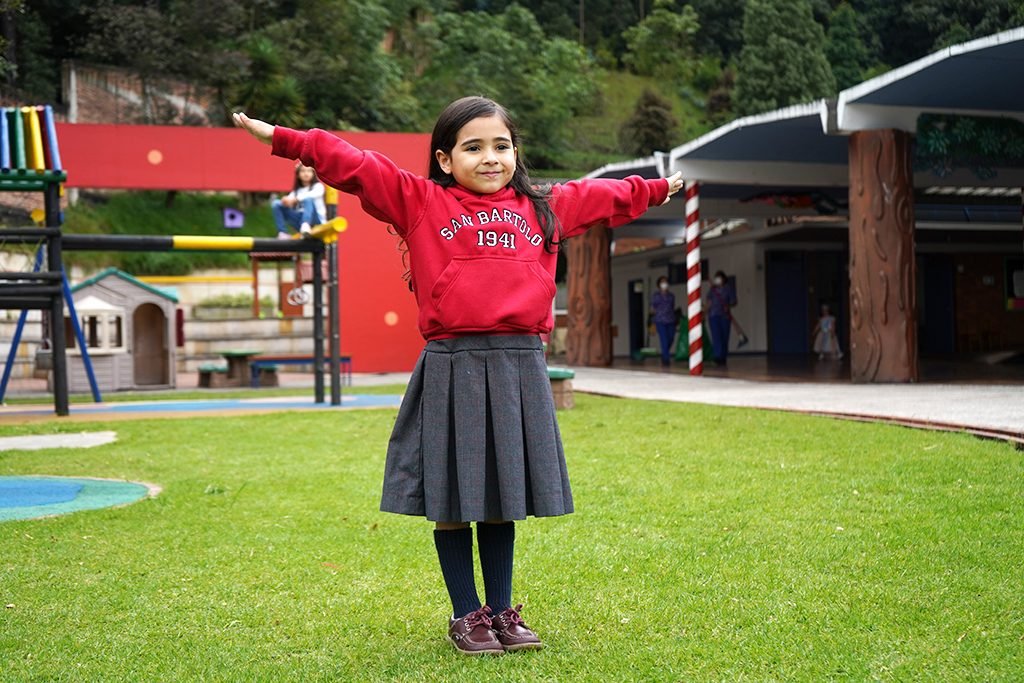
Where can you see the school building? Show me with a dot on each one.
(821, 203)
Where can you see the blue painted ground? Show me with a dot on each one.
(214, 405)
(32, 497)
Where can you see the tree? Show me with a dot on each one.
(662, 44)
(140, 39)
(721, 27)
(845, 48)
(268, 91)
(651, 127)
(783, 60)
(542, 81)
(907, 31)
(603, 20)
(32, 70)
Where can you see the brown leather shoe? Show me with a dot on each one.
(513, 633)
(472, 634)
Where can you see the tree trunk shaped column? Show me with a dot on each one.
(883, 307)
(589, 338)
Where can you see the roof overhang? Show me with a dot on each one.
(978, 78)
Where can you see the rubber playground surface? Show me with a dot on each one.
(32, 497)
(129, 410)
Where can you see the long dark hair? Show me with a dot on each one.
(446, 131)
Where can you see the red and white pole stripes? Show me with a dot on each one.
(693, 294)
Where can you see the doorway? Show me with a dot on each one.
(935, 299)
(149, 346)
(637, 311)
(798, 283)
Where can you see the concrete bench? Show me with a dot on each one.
(213, 376)
(266, 375)
(561, 387)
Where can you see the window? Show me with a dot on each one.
(103, 332)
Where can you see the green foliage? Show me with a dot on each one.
(718, 108)
(135, 36)
(233, 301)
(651, 128)
(945, 143)
(845, 48)
(392, 64)
(36, 74)
(907, 31)
(348, 80)
(603, 20)
(955, 34)
(146, 213)
(721, 27)
(783, 60)
(594, 139)
(709, 543)
(543, 82)
(269, 88)
(662, 44)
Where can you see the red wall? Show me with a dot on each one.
(183, 158)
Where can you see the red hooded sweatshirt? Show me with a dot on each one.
(478, 262)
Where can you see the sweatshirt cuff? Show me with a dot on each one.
(659, 190)
(287, 143)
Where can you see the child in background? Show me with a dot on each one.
(303, 207)
(825, 339)
(476, 438)
(663, 307)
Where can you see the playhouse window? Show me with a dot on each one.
(103, 332)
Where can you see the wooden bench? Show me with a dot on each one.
(561, 387)
(212, 376)
(268, 364)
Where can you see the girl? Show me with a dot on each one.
(825, 339)
(663, 306)
(476, 438)
(303, 207)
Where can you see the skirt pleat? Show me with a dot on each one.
(476, 438)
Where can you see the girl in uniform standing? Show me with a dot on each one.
(476, 438)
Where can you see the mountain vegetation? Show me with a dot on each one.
(563, 67)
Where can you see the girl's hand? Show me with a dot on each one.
(675, 183)
(261, 130)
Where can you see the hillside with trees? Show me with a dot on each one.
(590, 81)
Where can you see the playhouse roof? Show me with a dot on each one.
(103, 274)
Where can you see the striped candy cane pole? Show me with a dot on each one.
(693, 310)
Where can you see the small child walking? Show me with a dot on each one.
(303, 207)
(476, 438)
(825, 339)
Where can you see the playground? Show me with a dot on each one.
(218, 529)
(810, 549)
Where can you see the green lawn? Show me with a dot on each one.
(708, 544)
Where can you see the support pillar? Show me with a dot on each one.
(883, 301)
(589, 338)
(694, 310)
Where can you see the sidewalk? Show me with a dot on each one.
(996, 410)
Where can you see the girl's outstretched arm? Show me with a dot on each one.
(261, 130)
(583, 204)
(675, 183)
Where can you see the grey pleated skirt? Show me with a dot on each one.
(476, 438)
